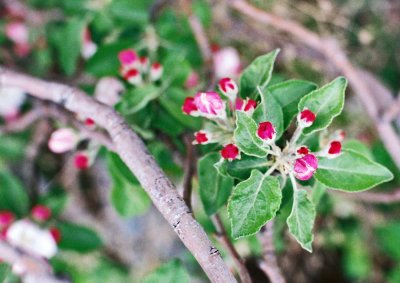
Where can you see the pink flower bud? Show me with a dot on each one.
(144, 64)
(250, 105)
(201, 137)
(17, 32)
(3, 233)
(128, 57)
(335, 149)
(230, 152)
(247, 105)
(189, 108)
(88, 48)
(41, 213)
(81, 161)
(209, 104)
(266, 131)
(89, 122)
(305, 167)
(56, 234)
(306, 118)
(229, 88)
(156, 71)
(63, 140)
(227, 63)
(6, 218)
(303, 150)
(192, 81)
(133, 76)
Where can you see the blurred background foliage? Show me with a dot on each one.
(356, 241)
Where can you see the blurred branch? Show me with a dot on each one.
(189, 166)
(331, 49)
(36, 269)
(375, 198)
(223, 238)
(269, 264)
(134, 153)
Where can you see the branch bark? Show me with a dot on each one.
(134, 153)
(331, 49)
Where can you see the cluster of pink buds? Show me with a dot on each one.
(28, 235)
(137, 70)
(222, 113)
(64, 140)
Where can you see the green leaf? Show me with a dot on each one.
(246, 135)
(359, 147)
(388, 236)
(241, 168)
(253, 203)
(326, 102)
(258, 73)
(12, 194)
(130, 12)
(214, 188)
(301, 219)
(171, 272)
(127, 196)
(318, 192)
(269, 110)
(137, 98)
(67, 40)
(351, 172)
(288, 94)
(78, 238)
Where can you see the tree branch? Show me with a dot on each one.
(136, 156)
(223, 238)
(331, 49)
(189, 171)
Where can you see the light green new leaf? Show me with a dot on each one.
(253, 203)
(241, 168)
(301, 219)
(288, 95)
(326, 102)
(258, 73)
(214, 188)
(246, 135)
(351, 172)
(269, 110)
(171, 272)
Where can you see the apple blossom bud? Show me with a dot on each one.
(226, 63)
(266, 131)
(144, 64)
(230, 152)
(89, 122)
(88, 48)
(63, 140)
(128, 58)
(6, 218)
(248, 105)
(189, 108)
(303, 150)
(133, 76)
(306, 118)
(17, 32)
(56, 234)
(28, 237)
(210, 104)
(201, 137)
(156, 71)
(41, 213)
(3, 233)
(305, 167)
(81, 161)
(335, 149)
(192, 80)
(229, 88)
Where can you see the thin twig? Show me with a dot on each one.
(223, 238)
(134, 153)
(331, 49)
(189, 166)
(269, 264)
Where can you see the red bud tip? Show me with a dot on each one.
(188, 106)
(41, 213)
(266, 131)
(56, 234)
(201, 137)
(303, 150)
(230, 152)
(306, 118)
(81, 161)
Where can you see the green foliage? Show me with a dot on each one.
(12, 194)
(253, 202)
(351, 172)
(241, 168)
(171, 272)
(214, 188)
(78, 238)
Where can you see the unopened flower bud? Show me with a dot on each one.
(229, 88)
(63, 140)
(303, 150)
(89, 122)
(266, 131)
(88, 48)
(189, 107)
(6, 218)
(210, 104)
(305, 167)
(128, 58)
(226, 63)
(335, 149)
(81, 161)
(201, 137)
(156, 71)
(192, 80)
(144, 64)
(248, 105)
(133, 76)
(230, 152)
(17, 32)
(41, 213)
(306, 118)
(56, 234)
